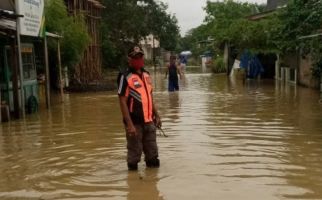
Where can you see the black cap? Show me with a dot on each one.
(173, 57)
(135, 51)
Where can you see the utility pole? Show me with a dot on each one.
(22, 94)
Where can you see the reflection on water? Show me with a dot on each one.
(143, 185)
(228, 139)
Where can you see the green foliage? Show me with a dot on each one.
(302, 18)
(72, 29)
(75, 42)
(129, 21)
(299, 18)
(316, 54)
(257, 36)
(192, 41)
(317, 69)
(168, 33)
(219, 65)
(222, 15)
(226, 22)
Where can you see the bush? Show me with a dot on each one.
(75, 38)
(219, 65)
(317, 69)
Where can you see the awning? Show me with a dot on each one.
(7, 16)
(7, 5)
(8, 24)
(7, 27)
(310, 36)
(53, 35)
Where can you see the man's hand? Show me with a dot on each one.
(157, 121)
(130, 129)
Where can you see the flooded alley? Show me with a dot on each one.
(228, 139)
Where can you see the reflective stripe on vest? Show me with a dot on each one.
(141, 90)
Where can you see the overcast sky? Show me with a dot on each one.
(190, 13)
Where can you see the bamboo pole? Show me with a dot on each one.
(47, 73)
(15, 81)
(89, 68)
(60, 72)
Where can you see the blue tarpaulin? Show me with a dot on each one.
(252, 65)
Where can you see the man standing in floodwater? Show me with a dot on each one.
(173, 70)
(140, 115)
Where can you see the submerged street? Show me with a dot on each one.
(228, 139)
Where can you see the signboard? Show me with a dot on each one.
(32, 23)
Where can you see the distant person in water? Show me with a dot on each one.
(183, 63)
(173, 70)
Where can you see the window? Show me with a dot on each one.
(28, 63)
(2, 66)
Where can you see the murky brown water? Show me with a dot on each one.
(227, 140)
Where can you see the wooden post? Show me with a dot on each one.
(0, 107)
(60, 72)
(321, 82)
(277, 67)
(15, 81)
(153, 52)
(226, 57)
(47, 73)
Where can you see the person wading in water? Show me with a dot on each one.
(173, 70)
(140, 115)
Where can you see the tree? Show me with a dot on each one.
(193, 40)
(299, 18)
(72, 29)
(226, 22)
(302, 18)
(222, 15)
(280, 32)
(129, 21)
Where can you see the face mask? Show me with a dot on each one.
(137, 63)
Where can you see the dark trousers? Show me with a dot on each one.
(173, 85)
(144, 141)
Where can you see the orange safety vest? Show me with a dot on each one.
(139, 93)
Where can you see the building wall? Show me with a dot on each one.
(148, 44)
(305, 75)
(289, 60)
(148, 51)
(149, 41)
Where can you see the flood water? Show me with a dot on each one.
(228, 139)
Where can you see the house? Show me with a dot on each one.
(271, 7)
(274, 4)
(305, 76)
(149, 46)
(276, 67)
(292, 67)
(18, 63)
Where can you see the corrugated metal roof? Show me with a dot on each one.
(7, 5)
(96, 3)
(53, 35)
(7, 24)
(274, 4)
